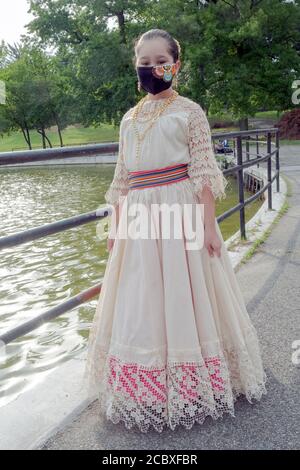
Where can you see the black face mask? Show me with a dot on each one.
(155, 80)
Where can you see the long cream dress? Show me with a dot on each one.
(171, 341)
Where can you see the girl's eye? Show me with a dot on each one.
(159, 62)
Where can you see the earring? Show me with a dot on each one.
(175, 81)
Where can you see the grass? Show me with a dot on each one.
(71, 136)
(260, 241)
(258, 115)
(230, 225)
(269, 115)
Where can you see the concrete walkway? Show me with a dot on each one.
(270, 282)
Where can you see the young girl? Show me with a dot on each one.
(171, 342)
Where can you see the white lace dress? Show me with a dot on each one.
(171, 341)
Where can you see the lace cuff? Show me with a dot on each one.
(203, 168)
(120, 183)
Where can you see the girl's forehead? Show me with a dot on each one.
(156, 48)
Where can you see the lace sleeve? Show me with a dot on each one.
(119, 185)
(203, 168)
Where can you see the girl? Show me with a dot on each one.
(171, 342)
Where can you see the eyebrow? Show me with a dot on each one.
(145, 57)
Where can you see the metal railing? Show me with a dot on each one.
(238, 169)
(249, 136)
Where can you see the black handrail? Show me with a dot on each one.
(55, 227)
(50, 314)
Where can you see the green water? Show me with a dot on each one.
(41, 274)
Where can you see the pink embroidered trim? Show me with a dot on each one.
(128, 381)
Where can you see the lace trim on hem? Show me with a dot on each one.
(215, 416)
(182, 405)
(179, 393)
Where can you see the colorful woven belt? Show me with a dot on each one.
(157, 177)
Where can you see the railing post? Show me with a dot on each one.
(269, 169)
(247, 149)
(277, 160)
(257, 149)
(241, 186)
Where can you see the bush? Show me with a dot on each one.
(289, 125)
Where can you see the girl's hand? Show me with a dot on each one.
(110, 243)
(212, 242)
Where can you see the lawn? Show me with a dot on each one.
(71, 136)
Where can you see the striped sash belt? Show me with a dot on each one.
(157, 177)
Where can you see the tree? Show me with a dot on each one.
(246, 56)
(36, 94)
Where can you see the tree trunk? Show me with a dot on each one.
(59, 132)
(26, 135)
(243, 124)
(44, 138)
(121, 24)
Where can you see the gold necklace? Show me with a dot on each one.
(140, 137)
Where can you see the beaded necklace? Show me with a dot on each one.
(140, 137)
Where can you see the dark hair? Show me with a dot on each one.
(174, 48)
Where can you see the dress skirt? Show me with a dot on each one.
(171, 341)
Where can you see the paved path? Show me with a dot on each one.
(270, 282)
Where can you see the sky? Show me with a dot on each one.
(13, 17)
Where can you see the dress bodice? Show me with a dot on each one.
(166, 143)
(181, 134)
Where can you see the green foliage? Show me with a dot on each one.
(239, 57)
